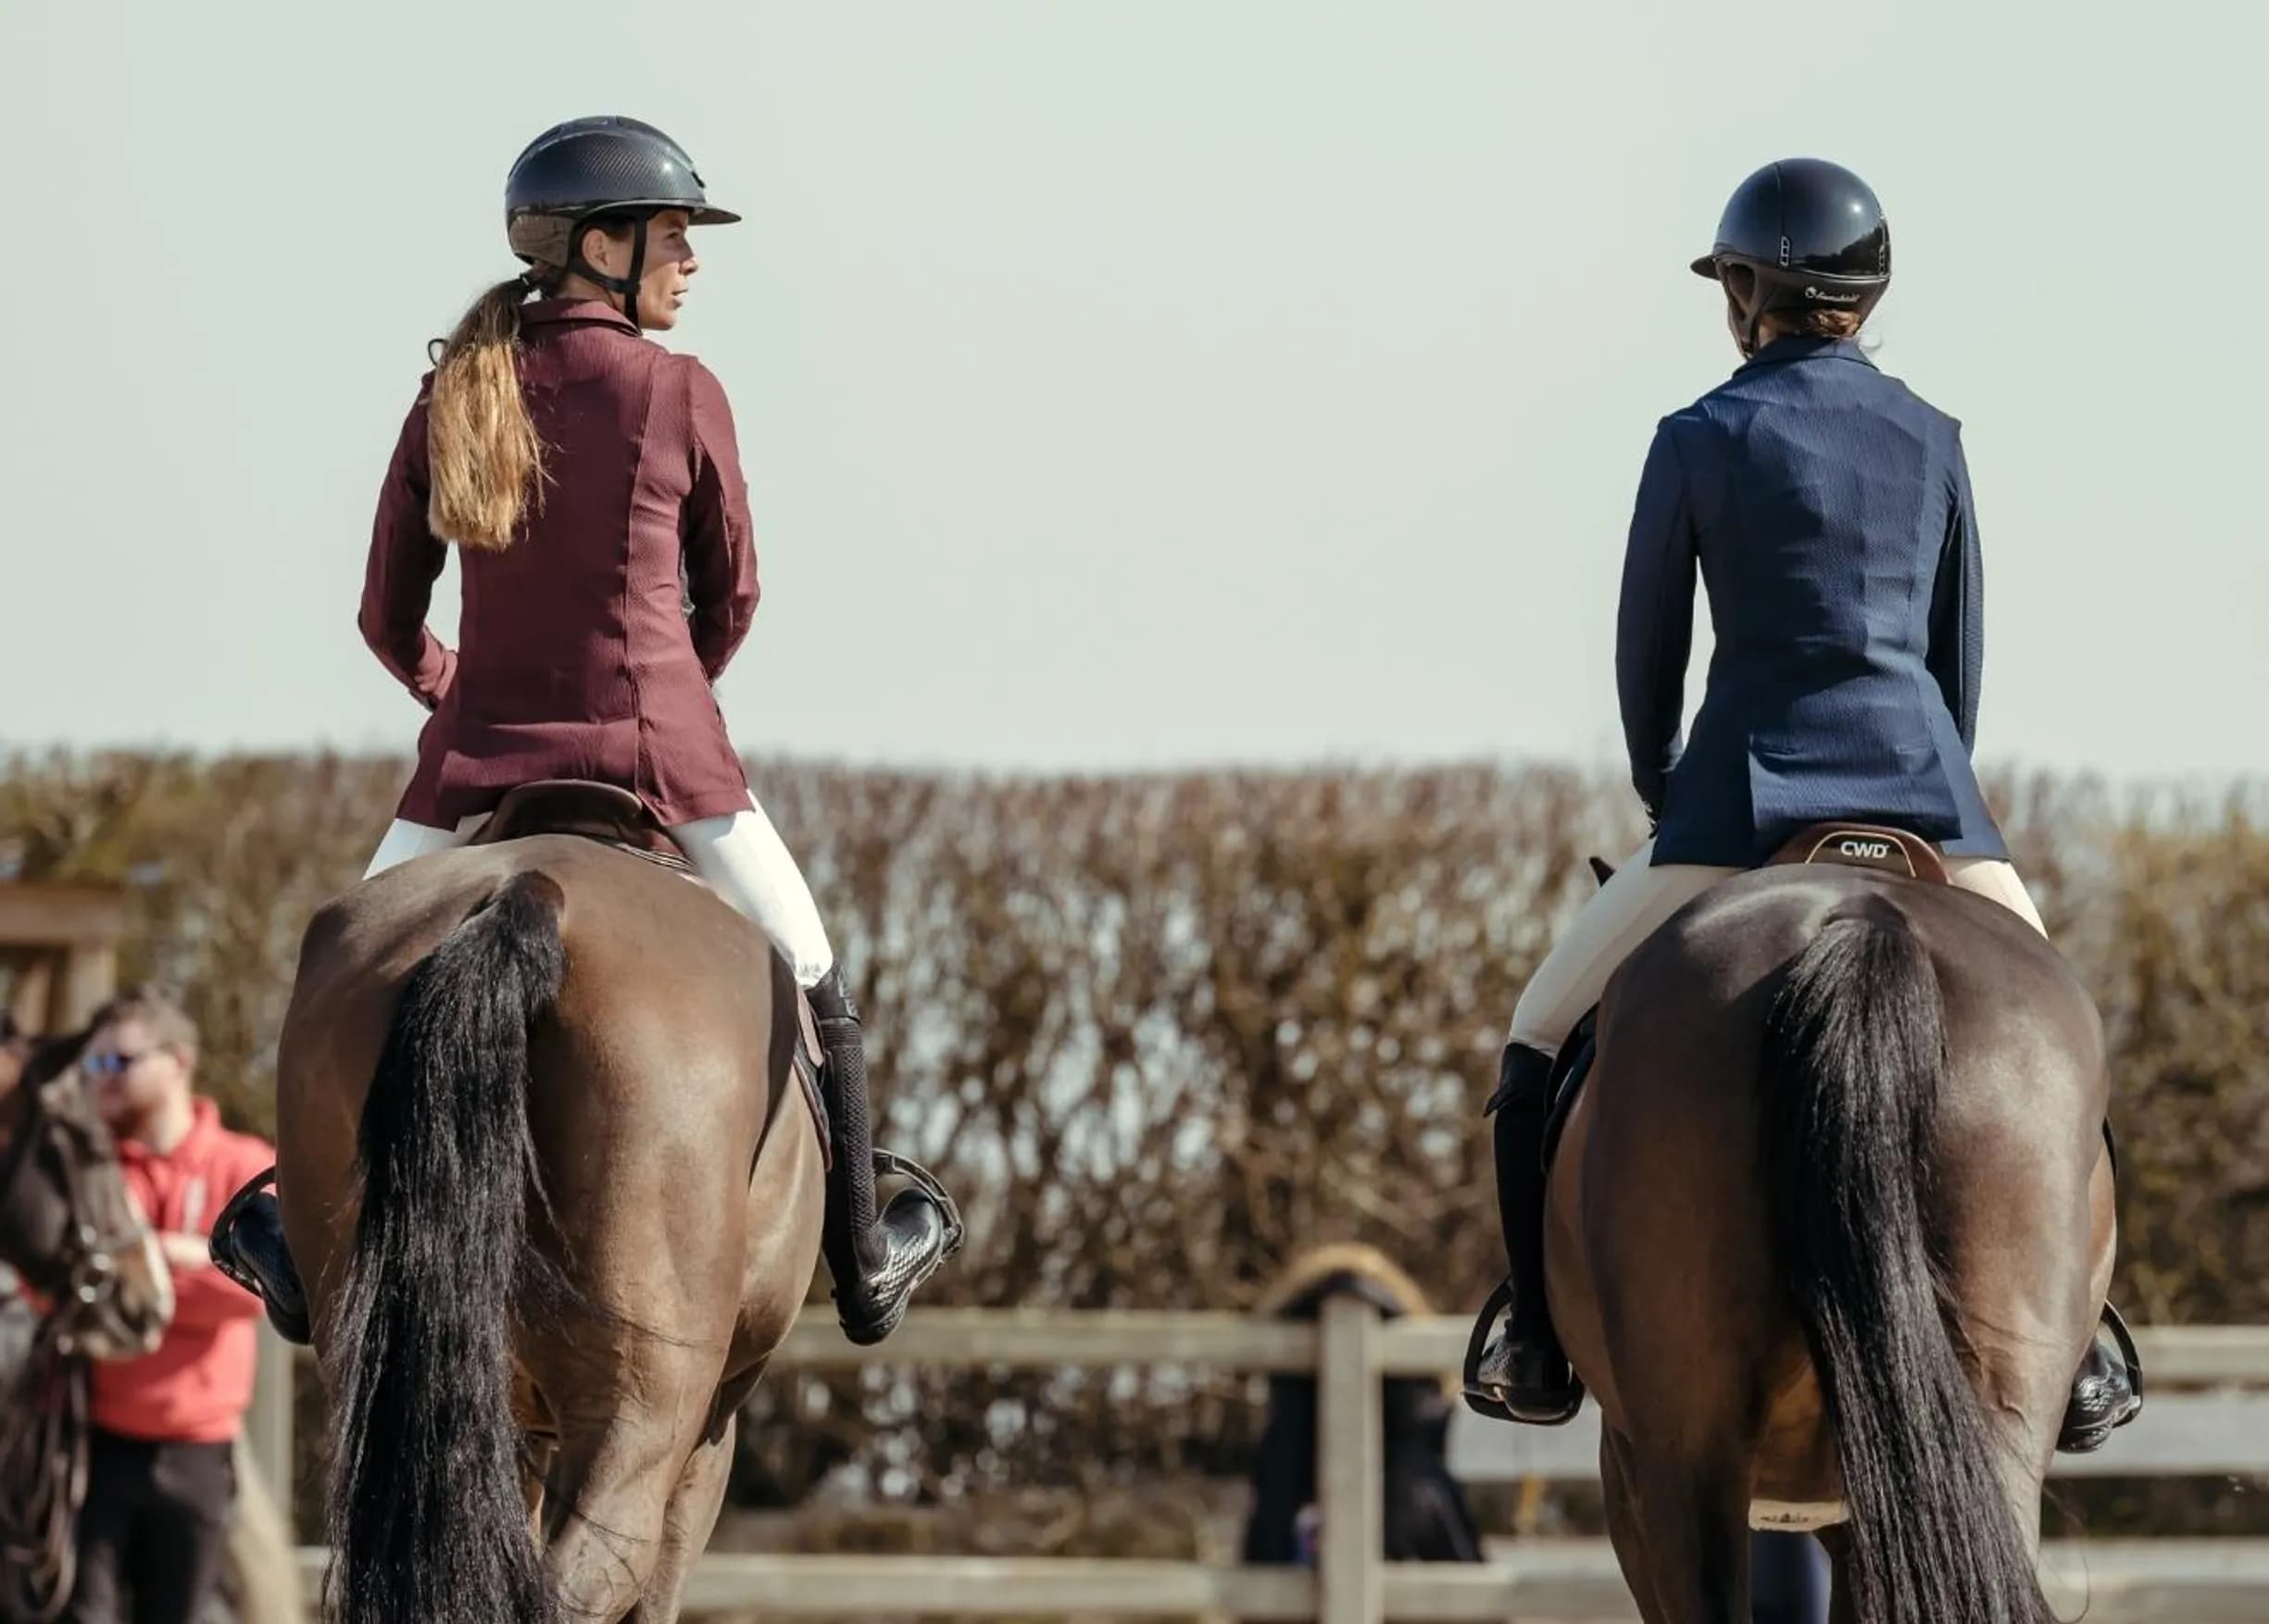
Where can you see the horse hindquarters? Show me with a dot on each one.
(1855, 1049)
(704, 1121)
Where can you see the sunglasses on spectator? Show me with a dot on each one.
(112, 1064)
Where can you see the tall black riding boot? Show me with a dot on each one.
(1523, 1375)
(876, 1262)
(247, 1245)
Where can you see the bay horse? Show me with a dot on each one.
(68, 1226)
(71, 1232)
(556, 1193)
(1828, 1231)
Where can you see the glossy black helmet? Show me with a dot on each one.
(1810, 232)
(589, 170)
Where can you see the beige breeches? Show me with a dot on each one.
(1636, 903)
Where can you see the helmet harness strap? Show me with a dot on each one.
(1765, 293)
(626, 287)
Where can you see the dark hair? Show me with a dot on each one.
(1788, 320)
(1813, 323)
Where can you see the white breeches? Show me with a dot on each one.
(740, 855)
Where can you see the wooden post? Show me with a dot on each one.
(74, 931)
(29, 992)
(90, 977)
(1351, 1463)
(267, 1425)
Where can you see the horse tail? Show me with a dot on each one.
(428, 1519)
(1855, 1045)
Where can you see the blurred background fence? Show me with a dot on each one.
(2214, 1421)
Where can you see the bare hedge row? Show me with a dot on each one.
(1163, 1032)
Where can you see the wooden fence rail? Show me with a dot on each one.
(2210, 1425)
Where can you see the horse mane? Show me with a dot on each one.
(51, 1055)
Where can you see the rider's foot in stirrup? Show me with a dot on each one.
(247, 1245)
(1522, 1374)
(1530, 1382)
(918, 1230)
(2107, 1394)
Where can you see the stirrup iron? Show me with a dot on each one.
(1479, 1399)
(889, 1164)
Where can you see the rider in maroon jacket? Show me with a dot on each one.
(589, 482)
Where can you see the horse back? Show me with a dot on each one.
(655, 1077)
(1683, 1018)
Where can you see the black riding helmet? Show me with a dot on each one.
(1813, 234)
(592, 171)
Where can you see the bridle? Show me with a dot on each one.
(44, 1419)
(88, 1257)
(43, 1480)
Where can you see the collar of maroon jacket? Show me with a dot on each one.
(574, 312)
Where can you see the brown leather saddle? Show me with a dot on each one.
(1865, 845)
(605, 813)
(613, 816)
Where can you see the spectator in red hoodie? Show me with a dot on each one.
(151, 1537)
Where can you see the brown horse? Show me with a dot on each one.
(68, 1226)
(1829, 1233)
(557, 1199)
(71, 1230)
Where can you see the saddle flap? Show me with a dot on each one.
(593, 811)
(1866, 846)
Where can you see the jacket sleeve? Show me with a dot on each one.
(397, 583)
(720, 557)
(1654, 626)
(1957, 656)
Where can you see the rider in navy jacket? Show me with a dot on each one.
(1828, 509)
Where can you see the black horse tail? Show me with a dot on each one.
(427, 1517)
(1854, 1048)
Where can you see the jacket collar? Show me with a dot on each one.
(1781, 352)
(573, 313)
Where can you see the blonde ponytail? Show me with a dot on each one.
(482, 450)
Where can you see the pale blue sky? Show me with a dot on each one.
(1134, 385)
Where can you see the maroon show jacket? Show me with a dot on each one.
(577, 659)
